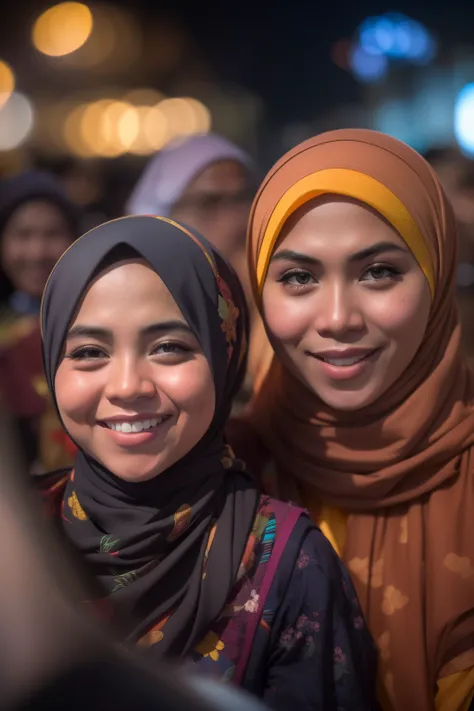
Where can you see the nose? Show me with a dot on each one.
(338, 311)
(130, 379)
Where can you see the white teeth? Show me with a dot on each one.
(344, 361)
(132, 427)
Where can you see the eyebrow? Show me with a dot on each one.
(85, 331)
(372, 251)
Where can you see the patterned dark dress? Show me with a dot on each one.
(303, 644)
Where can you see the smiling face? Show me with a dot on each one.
(345, 302)
(34, 238)
(134, 388)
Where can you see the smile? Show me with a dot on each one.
(345, 365)
(343, 361)
(136, 426)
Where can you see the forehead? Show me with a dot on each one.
(126, 294)
(221, 176)
(333, 221)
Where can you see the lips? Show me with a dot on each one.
(345, 365)
(135, 432)
(346, 358)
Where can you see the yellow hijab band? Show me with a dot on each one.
(353, 184)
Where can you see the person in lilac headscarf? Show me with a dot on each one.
(208, 183)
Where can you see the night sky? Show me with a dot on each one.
(283, 55)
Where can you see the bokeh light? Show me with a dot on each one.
(93, 129)
(7, 82)
(16, 121)
(202, 116)
(118, 128)
(108, 128)
(185, 116)
(147, 127)
(114, 44)
(155, 129)
(128, 127)
(100, 46)
(367, 66)
(464, 119)
(422, 47)
(397, 36)
(62, 29)
(72, 132)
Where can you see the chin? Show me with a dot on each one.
(134, 477)
(135, 471)
(347, 401)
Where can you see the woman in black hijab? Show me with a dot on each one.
(144, 337)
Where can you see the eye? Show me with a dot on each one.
(380, 272)
(171, 348)
(87, 353)
(297, 278)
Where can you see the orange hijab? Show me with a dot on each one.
(402, 467)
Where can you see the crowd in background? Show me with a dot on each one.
(207, 184)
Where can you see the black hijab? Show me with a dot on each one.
(146, 542)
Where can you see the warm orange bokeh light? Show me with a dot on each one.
(62, 29)
(7, 82)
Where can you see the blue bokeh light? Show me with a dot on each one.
(367, 66)
(368, 38)
(397, 37)
(464, 119)
(384, 31)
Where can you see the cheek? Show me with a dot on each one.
(190, 386)
(77, 393)
(400, 312)
(286, 317)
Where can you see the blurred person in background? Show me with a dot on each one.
(208, 183)
(145, 331)
(367, 413)
(456, 173)
(37, 224)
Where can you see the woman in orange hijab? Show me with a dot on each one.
(368, 407)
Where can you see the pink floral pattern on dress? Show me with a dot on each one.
(252, 603)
